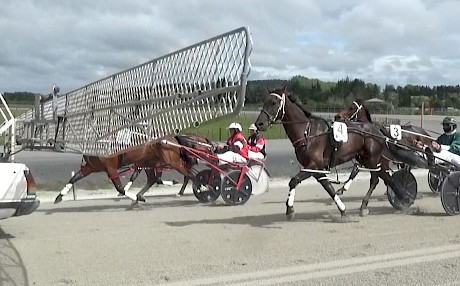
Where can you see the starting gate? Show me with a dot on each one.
(162, 96)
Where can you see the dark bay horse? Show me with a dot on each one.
(149, 156)
(404, 150)
(311, 137)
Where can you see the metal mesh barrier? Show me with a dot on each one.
(163, 96)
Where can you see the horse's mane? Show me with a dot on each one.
(294, 99)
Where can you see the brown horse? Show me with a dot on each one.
(311, 137)
(149, 156)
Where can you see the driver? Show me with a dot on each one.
(447, 146)
(236, 149)
(256, 144)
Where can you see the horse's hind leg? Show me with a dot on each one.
(364, 211)
(327, 185)
(78, 176)
(118, 185)
(151, 180)
(133, 177)
(184, 185)
(297, 179)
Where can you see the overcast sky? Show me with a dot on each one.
(73, 43)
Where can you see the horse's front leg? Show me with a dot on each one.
(364, 211)
(327, 185)
(297, 179)
(347, 184)
(84, 171)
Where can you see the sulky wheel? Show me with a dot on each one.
(259, 179)
(232, 195)
(450, 194)
(210, 182)
(407, 185)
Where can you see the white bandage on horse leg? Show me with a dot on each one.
(347, 184)
(339, 203)
(128, 185)
(66, 189)
(131, 196)
(291, 196)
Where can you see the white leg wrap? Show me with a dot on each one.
(168, 183)
(339, 203)
(128, 185)
(347, 184)
(291, 198)
(66, 189)
(131, 196)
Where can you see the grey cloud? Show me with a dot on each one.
(74, 43)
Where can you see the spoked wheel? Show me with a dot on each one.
(210, 181)
(407, 185)
(450, 194)
(232, 195)
(436, 177)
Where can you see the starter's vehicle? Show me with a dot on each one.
(17, 196)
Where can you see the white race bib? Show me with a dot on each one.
(340, 131)
(395, 131)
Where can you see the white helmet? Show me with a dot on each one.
(235, 125)
(253, 127)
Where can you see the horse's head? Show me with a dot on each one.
(356, 111)
(272, 110)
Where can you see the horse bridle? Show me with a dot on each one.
(358, 108)
(282, 98)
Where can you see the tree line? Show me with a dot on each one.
(314, 92)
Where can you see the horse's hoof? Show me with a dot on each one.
(175, 182)
(290, 213)
(58, 199)
(178, 195)
(140, 199)
(339, 192)
(344, 217)
(120, 195)
(364, 212)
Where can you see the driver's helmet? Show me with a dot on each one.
(451, 122)
(253, 127)
(235, 125)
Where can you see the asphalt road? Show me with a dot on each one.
(178, 241)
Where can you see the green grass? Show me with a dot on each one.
(216, 130)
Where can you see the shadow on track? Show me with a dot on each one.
(12, 269)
